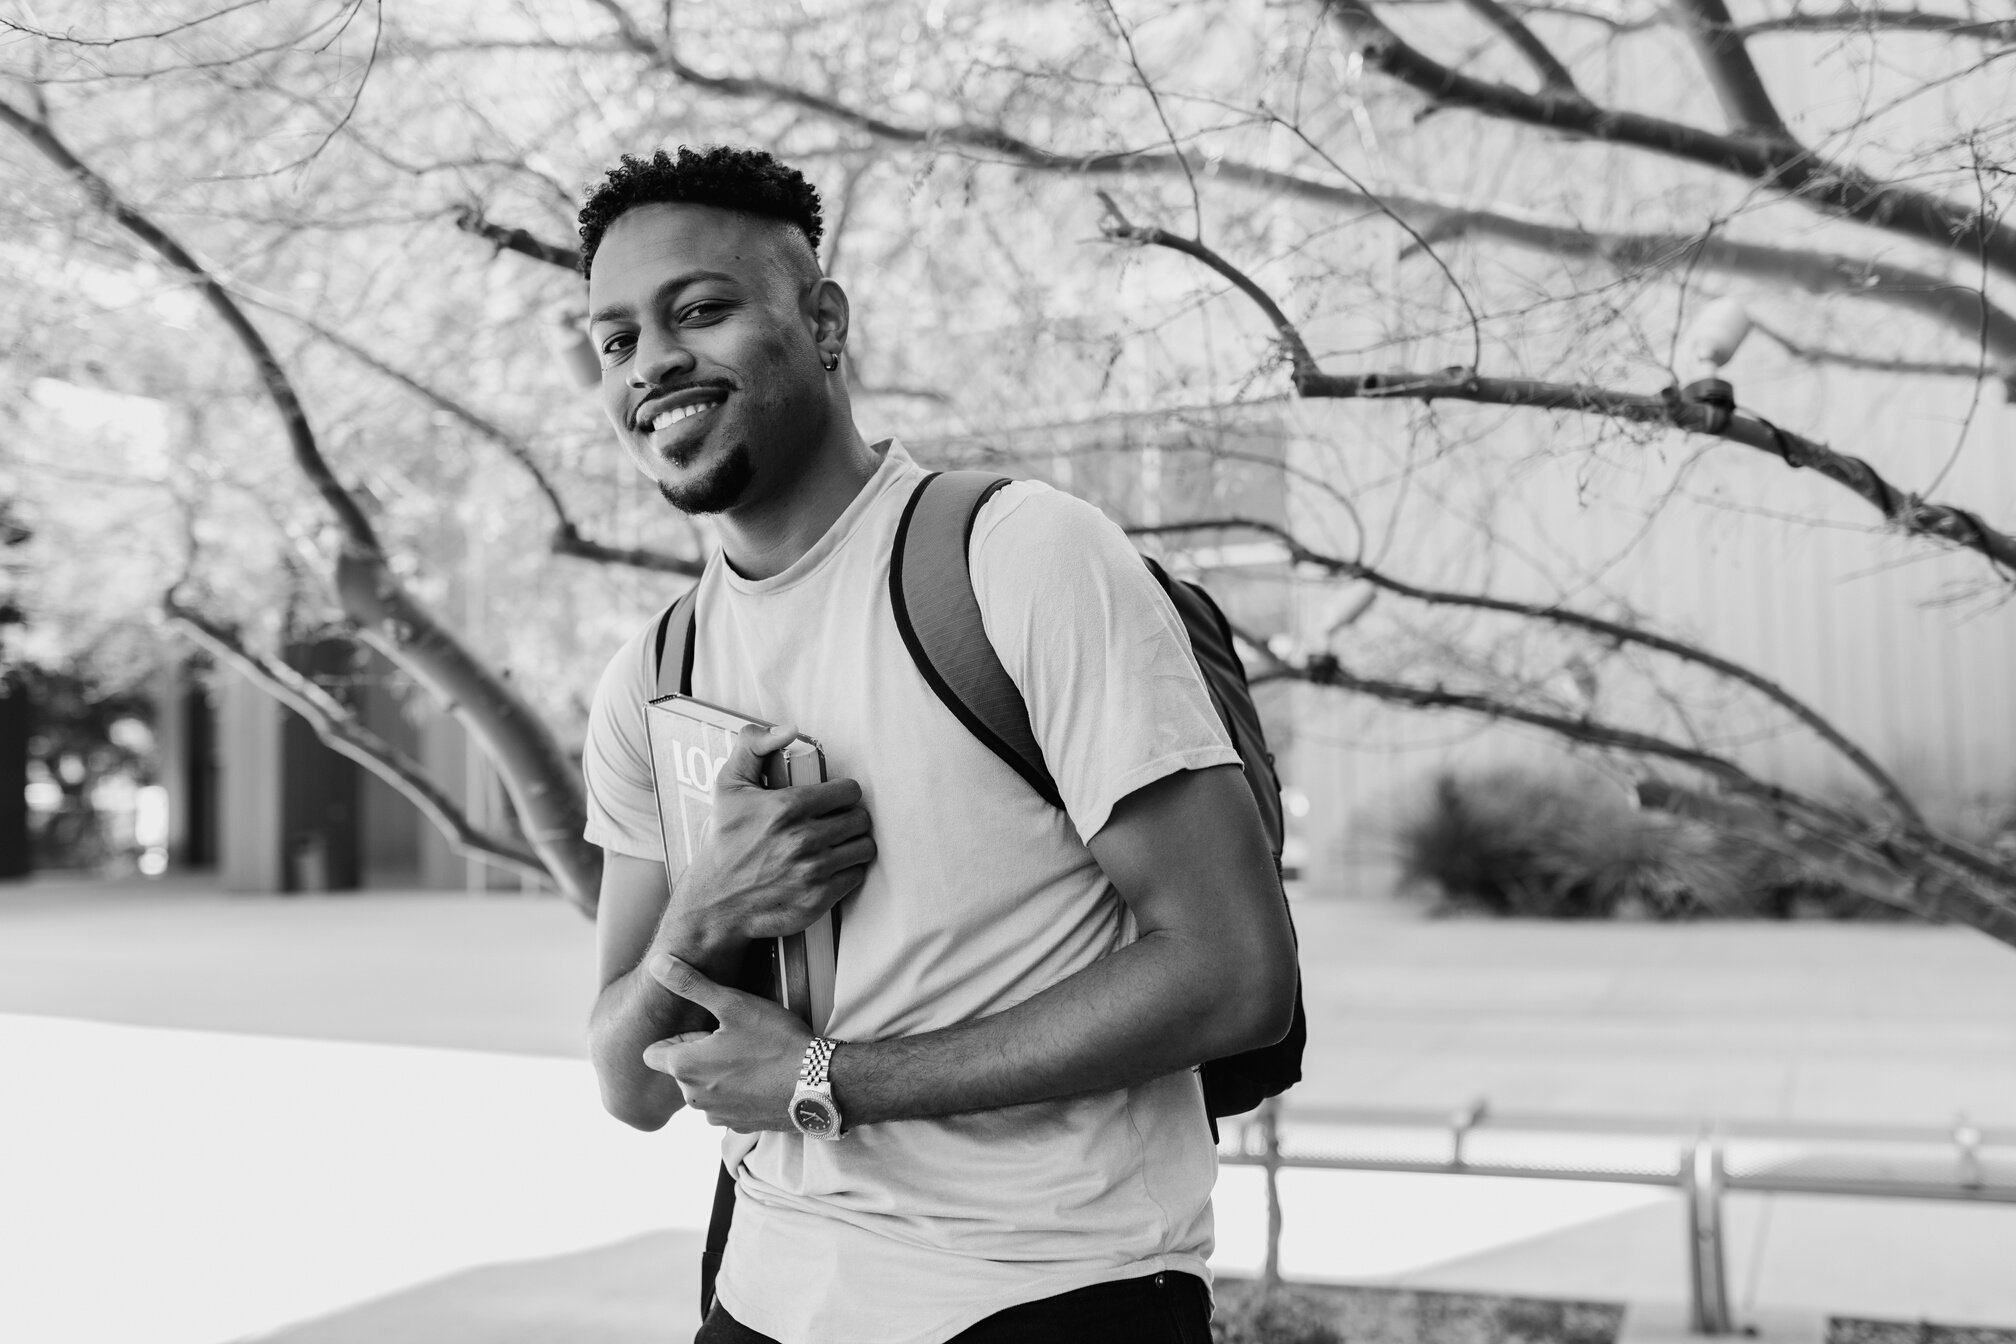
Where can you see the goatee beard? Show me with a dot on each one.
(716, 491)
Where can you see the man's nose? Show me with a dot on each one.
(658, 358)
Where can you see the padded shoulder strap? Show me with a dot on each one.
(675, 631)
(931, 589)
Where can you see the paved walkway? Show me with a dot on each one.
(367, 1118)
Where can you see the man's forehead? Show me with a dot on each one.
(650, 243)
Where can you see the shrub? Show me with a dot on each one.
(1522, 841)
(1246, 1313)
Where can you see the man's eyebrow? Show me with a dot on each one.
(665, 291)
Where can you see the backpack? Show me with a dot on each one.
(939, 620)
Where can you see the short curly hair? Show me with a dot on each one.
(748, 180)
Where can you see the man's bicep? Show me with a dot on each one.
(631, 903)
(1187, 853)
(1188, 856)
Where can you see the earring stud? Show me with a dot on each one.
(830, 363)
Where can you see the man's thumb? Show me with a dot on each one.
(690, 985)
(744, 766)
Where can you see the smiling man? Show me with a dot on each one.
(1019, 1149)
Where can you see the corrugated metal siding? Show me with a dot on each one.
(1908, 647)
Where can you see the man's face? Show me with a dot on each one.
(709, 370)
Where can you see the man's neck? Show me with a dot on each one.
(763, 539)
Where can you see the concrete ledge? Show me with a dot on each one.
(1666, 1323)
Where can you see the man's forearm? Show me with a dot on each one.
(1160, 1004)
(634, 1010)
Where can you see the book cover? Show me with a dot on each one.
(690, 741)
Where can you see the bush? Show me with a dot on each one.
(1246, 1313)
(1520, 841)
(1250, 1314)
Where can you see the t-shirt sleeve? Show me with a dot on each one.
(616, 759)
(1096, 648)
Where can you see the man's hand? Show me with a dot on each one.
(742, 1073)
(774, 860)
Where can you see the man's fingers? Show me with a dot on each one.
(852, 853)
(818, 800)
(664, 1055)
(744, 766)
(839, 827)
(692, 986)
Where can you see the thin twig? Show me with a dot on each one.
(567, 538)
(1553, 74)
(1300, 553)
(1118, 227)
(339, 727)
(1913, 514)
(1161, 115)
(1775, 162)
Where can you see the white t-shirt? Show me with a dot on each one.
(980, 895)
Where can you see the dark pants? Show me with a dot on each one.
(1158, 1309)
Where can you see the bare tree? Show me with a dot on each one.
(1351, 237)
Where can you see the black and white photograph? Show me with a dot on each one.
(1038, 672)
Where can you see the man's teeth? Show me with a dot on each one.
(678, 413)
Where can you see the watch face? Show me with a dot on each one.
(813, 1115)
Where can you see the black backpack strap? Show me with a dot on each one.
(675, 631)
(931, 590)
(675, 634)
(717, 1237)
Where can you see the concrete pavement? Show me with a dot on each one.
(419, 1047)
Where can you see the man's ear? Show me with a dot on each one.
(825, 308)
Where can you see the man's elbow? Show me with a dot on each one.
(647, 1114)
(1261, 1009)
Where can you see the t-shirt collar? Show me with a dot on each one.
(896, 464)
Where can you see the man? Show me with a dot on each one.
(1022, 992)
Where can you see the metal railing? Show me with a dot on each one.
(1703, 1160)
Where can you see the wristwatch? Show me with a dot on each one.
(813, 1113)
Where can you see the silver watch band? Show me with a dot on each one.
(818, 1057)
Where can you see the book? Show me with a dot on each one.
(690, 741)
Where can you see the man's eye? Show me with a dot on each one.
(704, 311)
(614, 345)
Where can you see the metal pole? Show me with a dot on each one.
(1967, 1139)
(1461, 1123)
(1701, 1177)
(1270, 1138)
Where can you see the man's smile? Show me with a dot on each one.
(672, 422)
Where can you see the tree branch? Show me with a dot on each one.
(1961, 309)
(567, 541)
(335, 724)
(1907, 20)
(1913, 214)
(1779, 165)
(567, 538)
(1616, 631)
(470, 219)
(1913, 515)
(1117, 227)
(1847, 19)
(1553, 74)
(542, 781)
(1851, 359)
(1731, 73)
(1984, 900)
(300, 437)
(1325, 669)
